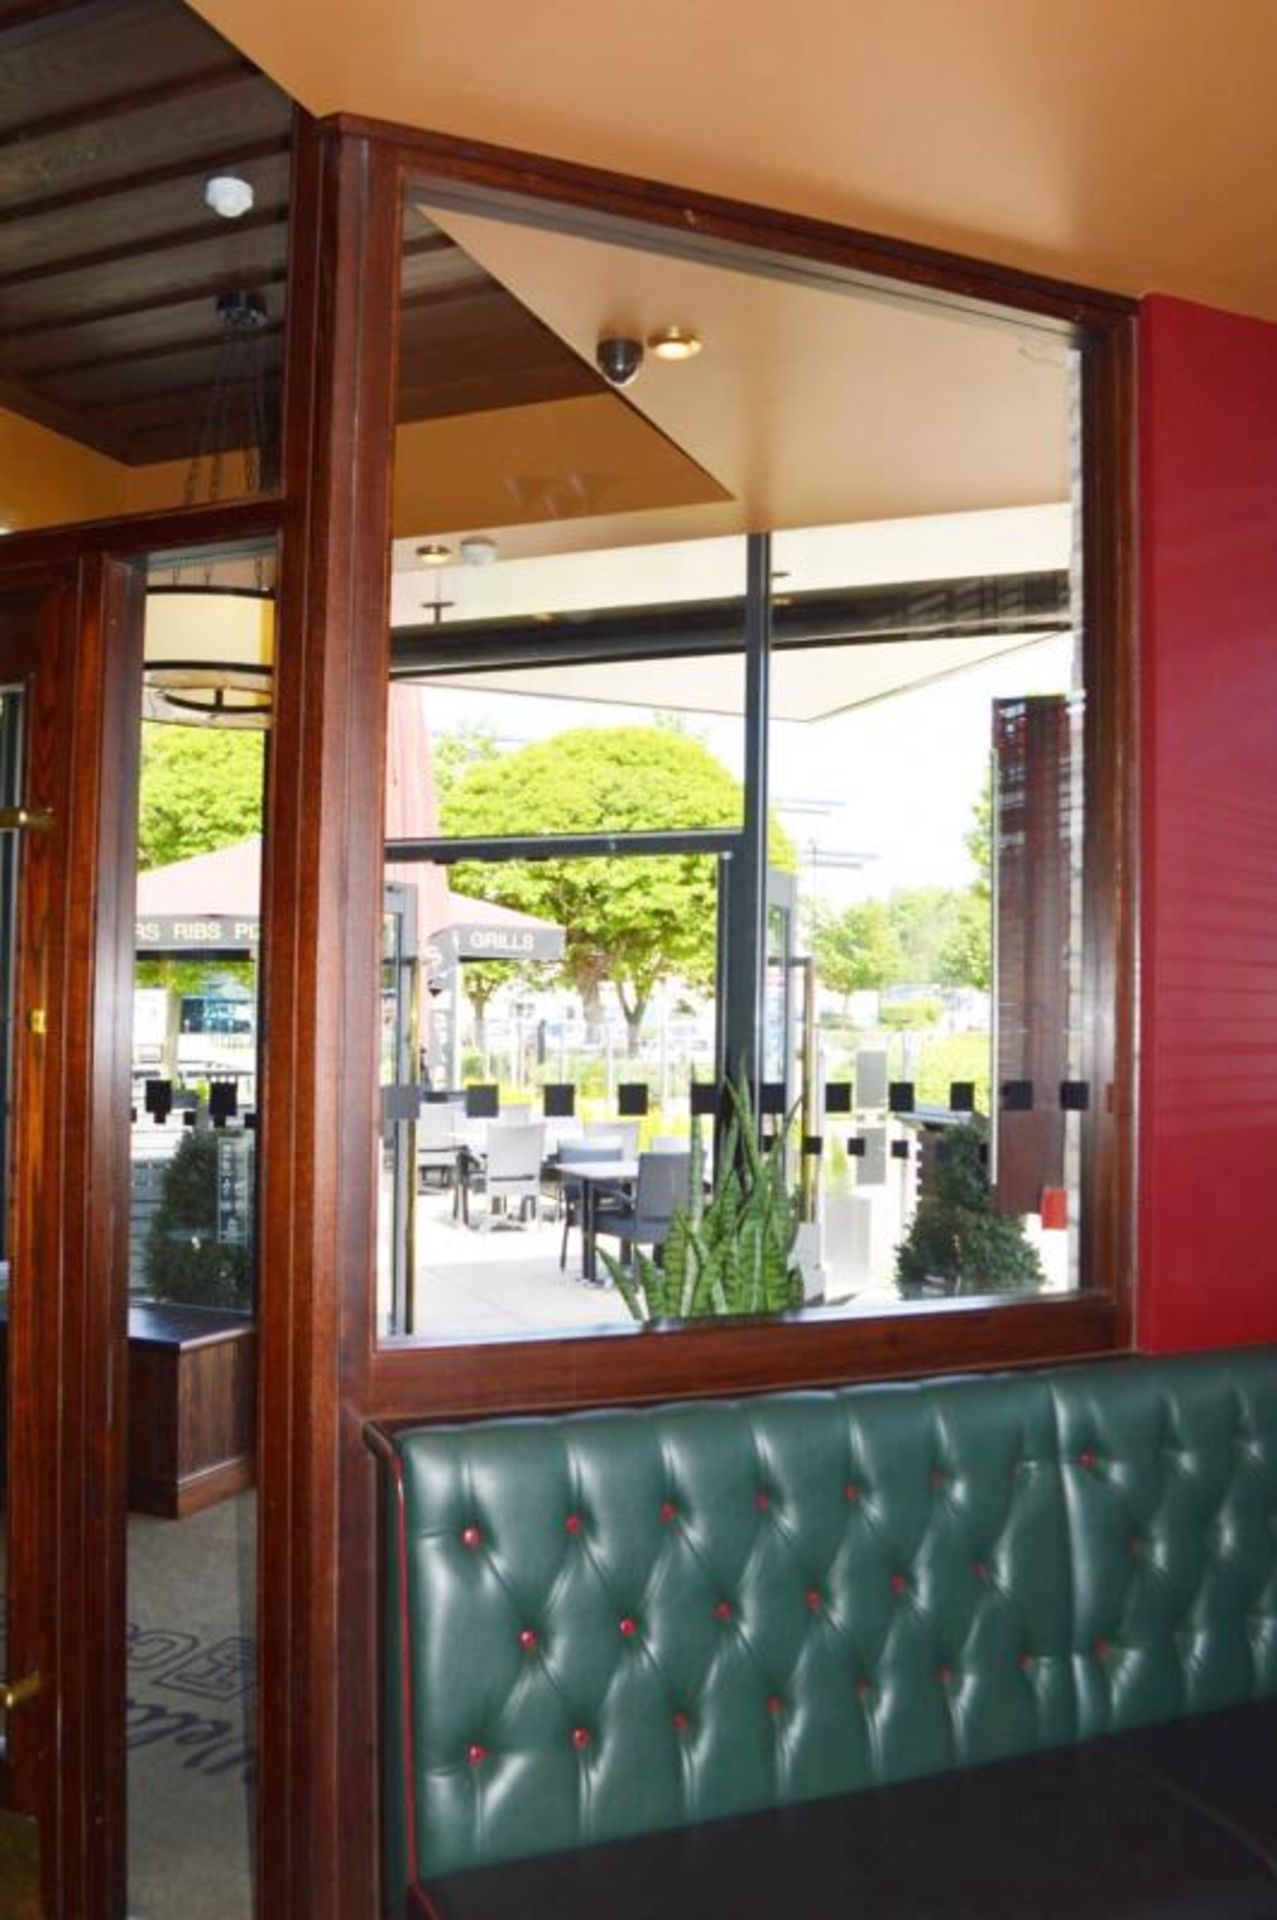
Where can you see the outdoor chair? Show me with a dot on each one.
(509, 1171)
(663, 1184)
(578, 1153)
(437, 1144)
(625, 1133)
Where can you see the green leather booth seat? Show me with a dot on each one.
(606, 1626)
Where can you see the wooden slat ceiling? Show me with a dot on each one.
(113, 113)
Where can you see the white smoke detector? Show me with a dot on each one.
(228, 195)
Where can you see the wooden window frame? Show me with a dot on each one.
(456, 1377)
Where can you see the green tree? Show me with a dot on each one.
(480, 980)
(628, 921)
(200, 790)
(856, 949)
(979, 838)
(453, 753)
(924, 919)
(966, 955)
(966, 958)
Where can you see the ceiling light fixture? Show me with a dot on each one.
(209, 643)
(478, 550)
(229, 196)
(435, 554)
(675, 343)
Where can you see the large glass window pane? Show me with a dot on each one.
(562, 597)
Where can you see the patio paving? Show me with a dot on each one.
(502, 1281)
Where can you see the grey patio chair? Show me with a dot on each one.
(663, 1184)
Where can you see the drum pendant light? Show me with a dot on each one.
(210, 628)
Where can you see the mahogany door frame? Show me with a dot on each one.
(67, 1342)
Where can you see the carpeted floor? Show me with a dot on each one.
(191, 1704)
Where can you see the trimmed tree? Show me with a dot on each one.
(185, 1260)
(628, 921)
(957, 1236)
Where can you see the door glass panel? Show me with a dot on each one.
(191, 1656)
(11, 712)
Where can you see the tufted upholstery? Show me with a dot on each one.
(614, 1623)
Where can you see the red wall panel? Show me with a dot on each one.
(1208, 1138)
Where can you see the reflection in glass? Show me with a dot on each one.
(191, 1654)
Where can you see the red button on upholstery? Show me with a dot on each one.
(475, 1754)
(864, 1688)
(680, 1722)
(629, 1627)
(1086, 1458)
(944, 1675)
(722, 1610)
(851, 1491)
(1101, 1649)
(573, 1523)
(471, 1537)
(1026, 1663)
(762, 1500)
(580, 1738)
(775, 1705)
(980, 1570)
(669, 1512)
(899, 1584)
(937, 1480)
(814, 1600)
(527, 1639)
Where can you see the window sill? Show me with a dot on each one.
(454, 1379)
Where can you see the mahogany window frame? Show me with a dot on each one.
(430, 1377)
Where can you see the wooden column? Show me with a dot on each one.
(322, 932)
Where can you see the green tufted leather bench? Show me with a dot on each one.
(999, 1645)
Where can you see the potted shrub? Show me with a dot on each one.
(958, 1242)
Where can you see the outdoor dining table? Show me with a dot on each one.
(596, 1176)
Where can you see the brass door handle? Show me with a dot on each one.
(26, 819)
(16, 1693)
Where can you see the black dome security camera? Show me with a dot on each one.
(619, 360)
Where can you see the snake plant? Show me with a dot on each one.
(731, 1253)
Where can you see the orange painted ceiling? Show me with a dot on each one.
(1127, 143)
